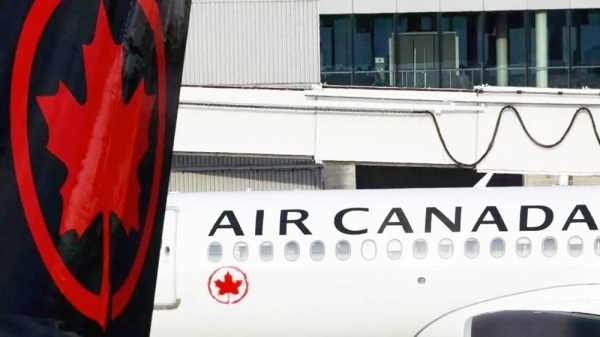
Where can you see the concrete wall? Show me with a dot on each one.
(376, 126)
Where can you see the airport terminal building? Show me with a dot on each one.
(460, 44)
(255, 69)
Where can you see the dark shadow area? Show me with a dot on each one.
(376, 177)
(525, 323)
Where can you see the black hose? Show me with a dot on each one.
(491, 144)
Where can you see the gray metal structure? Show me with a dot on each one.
(199, 173)
(252, 42)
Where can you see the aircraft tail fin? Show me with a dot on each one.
(89, 93)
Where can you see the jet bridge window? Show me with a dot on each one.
(369, 249)
(317, 250)
(446, 248)
(420, 249)
(266, 251)
(497, 248)
(215, 252)
(342, 250)
(549, 247)
(523, 247)
(394, 249)
(292, 251)
(471, 248)
(240, 251)
(575, 246)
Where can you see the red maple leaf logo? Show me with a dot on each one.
(101, 141)
(228, 286)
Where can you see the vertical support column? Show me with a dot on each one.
(541, 49)
(502, 48)
(392, 57)
(569, 55)
(440, 49)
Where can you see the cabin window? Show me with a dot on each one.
(471, 248)
(215, 252)
(497, 248)
(597, 246)
(369, 249)
(292, 251)
(394, 249)
(317, 250)
(549, 247)
(420, 249)
(575, 246)
(523, 247)
(446, 248)
(240, 251)
(266, 251)
(342, 250)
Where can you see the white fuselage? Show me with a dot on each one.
(388, 267)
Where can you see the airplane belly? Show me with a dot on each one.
(295, 302)
(374, 301)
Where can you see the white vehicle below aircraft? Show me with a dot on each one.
(473, 262)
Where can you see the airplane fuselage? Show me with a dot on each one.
(377, 263)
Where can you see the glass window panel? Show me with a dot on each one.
(240, 251)
(417, 78)
(336, 78)
(523, 247)
(516, 77)
(215, 252)
(342, 250)
(471, 248)
(585, 77)
(369, 249)
(415, 52)
(575, 247)
(549, 247)
(446, 248)
(335, 35)
(585, 37)
(317, 250)
(500, 27)
(461, 78)
(548, 59)
(557, 77)
(461, 42)
(394, 249)
(292, 251)
(420, 249)
(266, 251)
(461, 50)
(504, 44)
(497, 248)
(552, 25)
(372, 34)
(372, 78)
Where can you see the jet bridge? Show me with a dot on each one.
(490, 129)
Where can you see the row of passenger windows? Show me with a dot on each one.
(420, 249)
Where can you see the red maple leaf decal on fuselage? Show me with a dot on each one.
(102, 141)
(228, 286)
